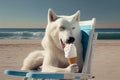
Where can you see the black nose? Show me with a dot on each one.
(70, 40)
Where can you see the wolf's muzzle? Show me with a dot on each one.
(70, 40)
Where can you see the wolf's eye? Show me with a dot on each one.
(62, 28)
(73, 27)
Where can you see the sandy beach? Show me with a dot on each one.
(105, 64)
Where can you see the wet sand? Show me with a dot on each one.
(105, 64)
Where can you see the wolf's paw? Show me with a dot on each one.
(73, 68)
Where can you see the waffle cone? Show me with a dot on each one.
(72, 60)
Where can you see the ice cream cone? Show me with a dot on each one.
(72, 60)
(71, 53)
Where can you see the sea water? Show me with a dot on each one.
(21, 33)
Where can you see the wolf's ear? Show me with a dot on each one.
(76, 16)
(51, 15)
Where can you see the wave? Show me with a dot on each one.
(21, 35)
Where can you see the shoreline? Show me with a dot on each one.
(17, 41)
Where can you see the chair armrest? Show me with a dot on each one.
(16, 72)
(58, 75)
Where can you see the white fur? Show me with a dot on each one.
(52, 58)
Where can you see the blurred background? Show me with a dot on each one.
(33, 13)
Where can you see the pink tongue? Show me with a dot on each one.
(63, 45)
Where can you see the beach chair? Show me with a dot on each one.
(88, 40)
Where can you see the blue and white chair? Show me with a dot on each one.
(88, 40)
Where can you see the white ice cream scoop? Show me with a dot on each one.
(70, 51)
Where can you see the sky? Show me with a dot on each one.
(33, 13)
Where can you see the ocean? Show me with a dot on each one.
(21, 33)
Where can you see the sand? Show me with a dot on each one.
(105, 64)
(12, 53)
(106, 60)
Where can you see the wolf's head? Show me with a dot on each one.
(63, 30)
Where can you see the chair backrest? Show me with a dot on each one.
(87, 28)
(85, 38)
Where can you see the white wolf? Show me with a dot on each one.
(60, 30)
